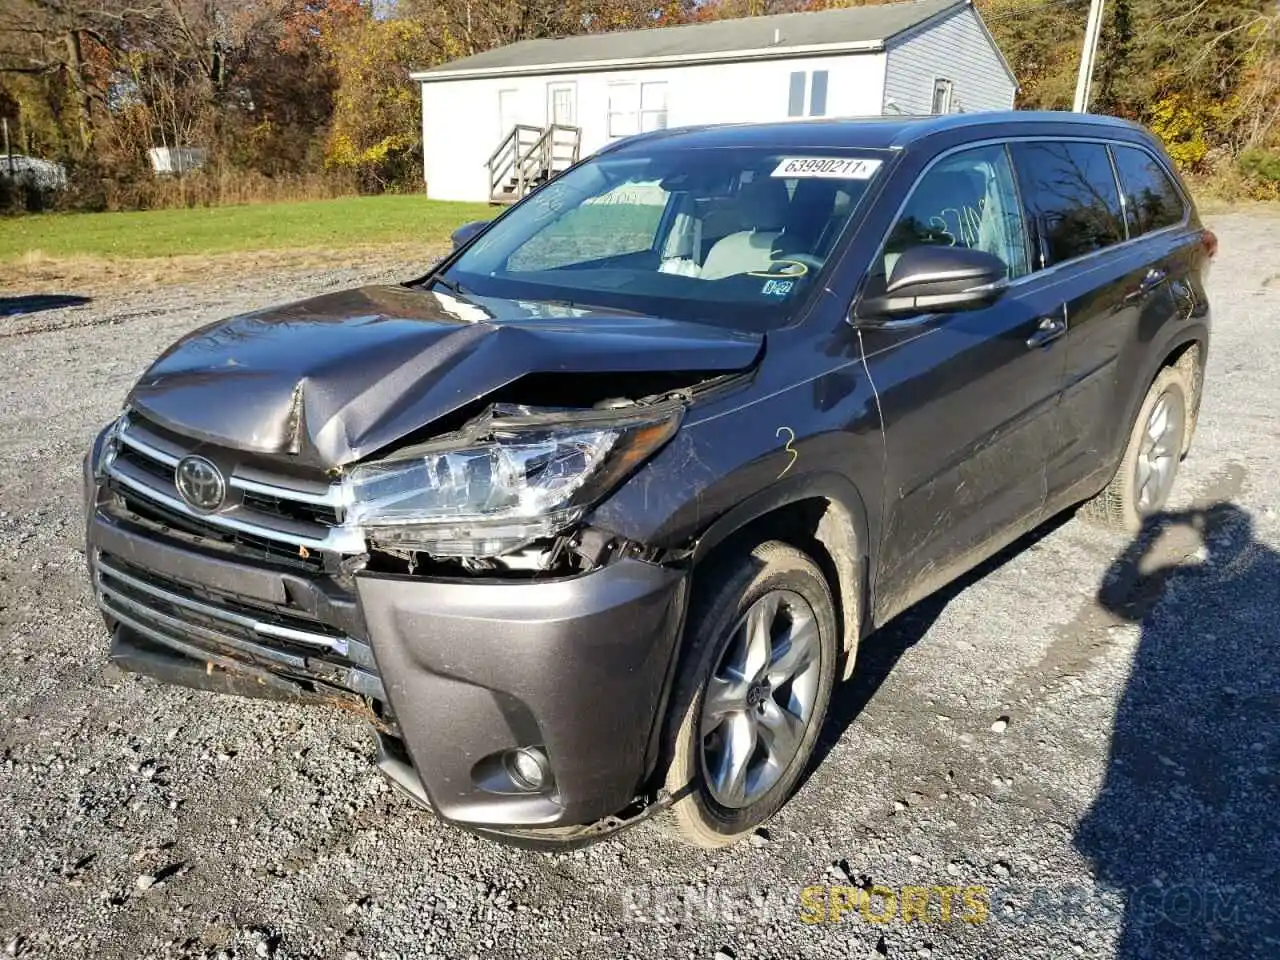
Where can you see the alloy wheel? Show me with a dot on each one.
(759, 699)
(1158, 453)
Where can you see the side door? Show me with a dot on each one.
(1159, 265)
(507, 111)
(968, 398)
(1077, 223)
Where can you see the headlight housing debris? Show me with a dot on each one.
(509, 478)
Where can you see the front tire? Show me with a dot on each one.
(753, 691)
(1145, 477)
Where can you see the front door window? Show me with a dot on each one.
(966, 200)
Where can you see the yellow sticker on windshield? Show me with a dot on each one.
(835, 168)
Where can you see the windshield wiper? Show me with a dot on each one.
(580, 305)
(454, 288)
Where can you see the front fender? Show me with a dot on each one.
(822, 433)
(727, 470)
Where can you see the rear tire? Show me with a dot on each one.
(752, 693)
(1147, 471)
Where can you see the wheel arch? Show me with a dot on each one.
(1190, 356)
(1187, 346)
(821, 514)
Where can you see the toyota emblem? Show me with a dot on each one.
(200, 483)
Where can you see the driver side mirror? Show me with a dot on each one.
(464, 233)
(934, 279)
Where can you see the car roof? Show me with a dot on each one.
(885, 133)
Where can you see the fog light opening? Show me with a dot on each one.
(528, 768)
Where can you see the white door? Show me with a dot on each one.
(506, 111)
(562, 104)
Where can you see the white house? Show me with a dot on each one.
(499, 121)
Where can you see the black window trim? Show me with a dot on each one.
(1006, 142)
(1124, 201)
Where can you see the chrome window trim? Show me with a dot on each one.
(1124, 201)
(1170, 175)
(1007, 143)
(1030, 245)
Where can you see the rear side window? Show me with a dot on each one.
(1071, 196)
(1151, 200)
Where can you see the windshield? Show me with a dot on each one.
(731, 237)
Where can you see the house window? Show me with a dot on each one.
(562, 103)
(818, 94)
(653, 106)
(637, 107)
(941, 96)
(816, 84)
(795, 99)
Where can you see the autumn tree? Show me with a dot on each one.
(375, 128)
(272, 88)
(1203, 75)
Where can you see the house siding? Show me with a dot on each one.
(957, 48)
(461, 125)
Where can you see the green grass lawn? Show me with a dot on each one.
(330, 224)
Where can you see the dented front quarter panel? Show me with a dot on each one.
(805, 423)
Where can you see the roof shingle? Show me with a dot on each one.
(854, 26)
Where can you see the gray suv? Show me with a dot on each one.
(587, 522)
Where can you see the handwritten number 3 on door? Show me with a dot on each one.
(795, 454)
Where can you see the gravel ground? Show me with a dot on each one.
(1086, 730)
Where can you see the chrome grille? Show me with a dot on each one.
(207, 626)
(301, 513)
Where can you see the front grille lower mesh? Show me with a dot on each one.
(183, 616)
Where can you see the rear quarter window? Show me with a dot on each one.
(1071, 197)
(1152, 202)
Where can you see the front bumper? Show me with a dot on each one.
(451, 673)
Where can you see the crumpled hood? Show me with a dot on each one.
(332, 379)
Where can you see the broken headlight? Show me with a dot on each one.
(520, 479)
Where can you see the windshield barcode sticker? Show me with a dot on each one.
(836, 168)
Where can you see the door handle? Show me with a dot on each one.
(1155, 276)
(1050, 329)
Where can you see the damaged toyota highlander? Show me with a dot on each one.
(588, 522)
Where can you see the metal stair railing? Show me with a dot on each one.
(529, 156)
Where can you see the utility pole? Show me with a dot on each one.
(1084, 81)
(4, 121)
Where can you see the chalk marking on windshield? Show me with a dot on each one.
(795, 454)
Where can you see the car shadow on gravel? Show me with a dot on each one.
(18, 306)
(1186, 826)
